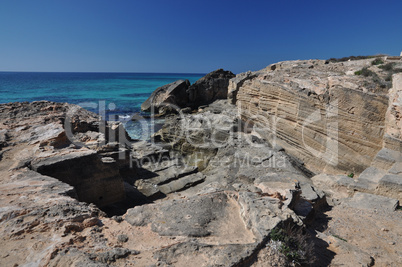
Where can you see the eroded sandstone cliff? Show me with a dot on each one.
(323, 113)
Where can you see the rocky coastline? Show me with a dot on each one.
(298, 164)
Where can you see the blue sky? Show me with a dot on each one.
(190, 36)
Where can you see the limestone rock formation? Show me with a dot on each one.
(47, 168)
(174, 93)
(180, 94)
(209, 88)
(211, 226)
(235, 84)
(200, 133)
(321, 112)
(393, 119)
(63, 141)
(216, 189)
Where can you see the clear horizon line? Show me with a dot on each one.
(128, 72)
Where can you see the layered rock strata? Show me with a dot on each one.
(322, 113)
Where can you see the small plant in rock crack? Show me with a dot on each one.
(340, 238)
(351, 175)
(366, 72)
(293, 244)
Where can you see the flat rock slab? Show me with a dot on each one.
(40, 163)
(372, 175)
(223, 228)
(396, 168)
(385, 158)
(372, 202)
(151, 188)
(144, 152)
(391, 185)
(182, 183)
(198, 216)
(172, 173)
(392, 181)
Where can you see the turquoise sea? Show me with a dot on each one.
(120, 93)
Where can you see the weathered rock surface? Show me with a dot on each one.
(181, 95)
(390, 185)
(200, 133)
(237, 82)
(209, 88)
(47, 167)
(94, 180)
(174, 93)
(56, 139)
(214, 224)
(214, 192)
(323, 114)
(373, 202)
(360, 236)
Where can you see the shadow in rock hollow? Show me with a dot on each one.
(133, 198)
(323, 255)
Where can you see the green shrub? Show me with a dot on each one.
(388, 66)
(343, 59)
(390, 69)
(351, 175)
(377, 61)
(366, 72)
(294, 244)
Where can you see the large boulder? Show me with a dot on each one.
(209, 88)
(180, 94)
(174, 93)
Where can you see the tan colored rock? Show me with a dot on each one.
(52, 135)
(393, 117)
(331, 121)
(90, 222)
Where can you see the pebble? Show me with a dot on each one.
(122, 238)
(118, 219)
(91, 222)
